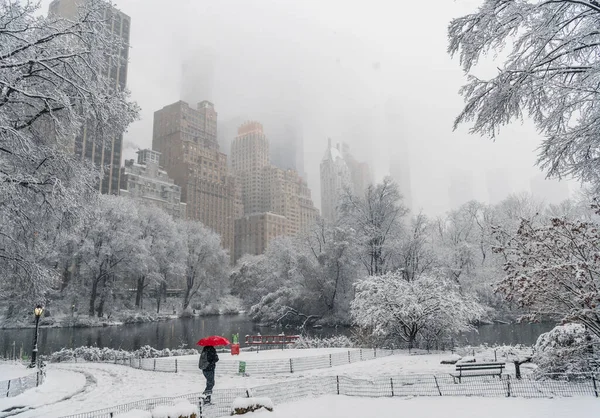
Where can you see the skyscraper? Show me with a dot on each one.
(276, 201)
(335, 178)
(104, 152)
(249, 156)
(360, 172)
(187, 140)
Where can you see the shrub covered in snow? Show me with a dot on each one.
(565, 349)
(97, 354)
(242, 406)
(339, 341)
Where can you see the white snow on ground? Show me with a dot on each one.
(91, 386)
(450, 407)
(58, 385)
(10, 371)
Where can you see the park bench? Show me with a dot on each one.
(270, 340)
(477, 369)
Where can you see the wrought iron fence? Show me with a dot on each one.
(14, 387)
(388, 386)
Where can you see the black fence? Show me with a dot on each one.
(390, 386)
(14, 387)
(266, 366)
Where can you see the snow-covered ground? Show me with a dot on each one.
(10, 371)
(448, 407)
(80, 387)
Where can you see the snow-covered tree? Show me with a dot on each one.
(377, 218)
(550, 74)
(567, 348)
(51, 83)
(330, 267)
(413, 252)
(400, 310)
(164, 257)
(110, 249)
(206, 263)
(552, 270)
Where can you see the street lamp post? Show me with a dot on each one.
(37, 312)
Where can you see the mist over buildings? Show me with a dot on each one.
(366, 76)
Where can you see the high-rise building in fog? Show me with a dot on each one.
(461, 188)
(335, 178)
(551, 191)
(499, 185)
(187, 140)
(399, 153)
(249, 156)
(104, 152)
(360, 172)
(276, 201)
(287, 149)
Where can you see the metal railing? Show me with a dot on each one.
(14, 387)
(266, 366)
(385, 386)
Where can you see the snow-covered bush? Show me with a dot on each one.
(339, 341)
(225, 305)
(242, 406)
(182, 409)
(97, 354)
(565, 349)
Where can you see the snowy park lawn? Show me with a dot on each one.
(81, 387)
(422, 407)
(10, 371)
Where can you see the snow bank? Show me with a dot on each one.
(244, 405)
(135, 413)
(426, 407)
(182, 409)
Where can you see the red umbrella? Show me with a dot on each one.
(213, 340)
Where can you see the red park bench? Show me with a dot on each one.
(266, 340)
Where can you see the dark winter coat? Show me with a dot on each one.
(212, 358)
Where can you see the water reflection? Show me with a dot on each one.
(185, 332)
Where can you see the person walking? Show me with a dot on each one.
(207, 363)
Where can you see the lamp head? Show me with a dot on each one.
(38, 311)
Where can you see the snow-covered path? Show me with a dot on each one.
(81, 387)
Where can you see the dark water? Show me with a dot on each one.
(186, 332)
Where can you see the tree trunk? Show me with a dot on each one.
(93, 296)
(158, 296)
(139, 293)
(186, 297)
(101, 307)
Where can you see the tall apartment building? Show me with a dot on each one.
(187, 140)
(249, 157)
(146, 181)
(276, 201)
(335, 179)
(104, 152)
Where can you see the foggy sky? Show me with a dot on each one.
(333, 67)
